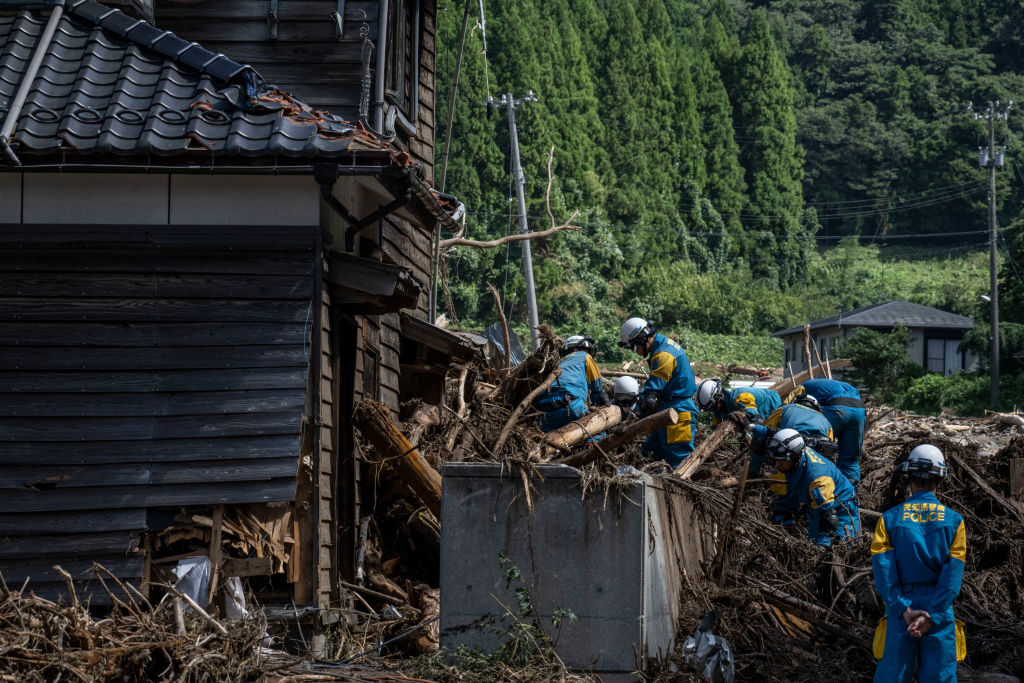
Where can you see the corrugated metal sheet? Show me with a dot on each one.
(141, 369)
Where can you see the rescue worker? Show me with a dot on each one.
(671, 384)
(918, 556)
(812, 425)
(625, 392)
(566, 400)
(842, 406)
(756, 402)
(814, 483)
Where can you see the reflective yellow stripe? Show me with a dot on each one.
(878, 645)
(778, 486)
(829, 435)
(746, 400)
(827, 487)
(880, 543)
(663, 364)
(593, 371)
(774, 419)
(958, 550)
(680, 432)
(961, 640)
(794, 395)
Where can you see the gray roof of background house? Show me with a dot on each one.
(889, 314)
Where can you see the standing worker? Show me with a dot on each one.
(566, 400)
(670, 385)
(918, 556)
(756, 402)
(842, 406)
(813, 482)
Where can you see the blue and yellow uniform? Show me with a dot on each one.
(842, 405)
(756, 402)
(671, 378)
(918, 556)
(816, 483)
(807, 421)
(566, 400)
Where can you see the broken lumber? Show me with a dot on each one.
(783, 387)
(577, 431)
(374, 420)
(523, 405)
(705, 449)
(632, 431)
(1008, 418)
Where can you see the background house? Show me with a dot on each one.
(200, 274)
(935, 335)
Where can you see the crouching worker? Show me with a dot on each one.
(812, 425)
(756, 402)
(566, 400)
(814, 482)
(918, 555)
(670, 385)
(625, 394)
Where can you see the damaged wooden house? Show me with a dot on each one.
(216, 234)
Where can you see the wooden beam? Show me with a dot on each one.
(256, 566)
(787, 385)
(807, 348)
(704, 450)
(215, 551)
(630, 433)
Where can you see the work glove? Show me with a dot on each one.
(829, 521)
(648, 404)
(739, 418)
(603, 399)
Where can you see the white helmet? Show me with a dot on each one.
(786, 444)
(708, 393)
(625, 389)
(925, 461)
(635, 332)
(808, 401)
(579, 342)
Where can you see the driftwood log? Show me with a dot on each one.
(630, 433)
(705, 449)
(577, 431)
(374, 420)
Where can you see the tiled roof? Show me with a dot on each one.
(111, 84)
(890, 314)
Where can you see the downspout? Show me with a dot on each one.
(410, 125)
(26, 84)
(382, 49)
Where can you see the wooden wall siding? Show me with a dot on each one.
(408, 244)
(306, 60)
(144, 368)
(326, 465)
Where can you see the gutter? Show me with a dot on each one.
(26, 83)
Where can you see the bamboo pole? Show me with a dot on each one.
(807, 348)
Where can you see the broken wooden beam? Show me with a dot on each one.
(374, 421)
(705, 449)
(577, 431)
(783, 387)
(634, 430)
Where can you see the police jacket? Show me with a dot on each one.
(671, 376)
(919, 547)
(756, 402)
(815, 482)
(832, 392)
(580, 376)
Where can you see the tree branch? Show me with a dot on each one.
(462, 242)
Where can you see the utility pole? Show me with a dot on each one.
(510, 104)
(992, 158)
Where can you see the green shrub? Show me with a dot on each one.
(965, 394)
(924, 395)
(880, 361)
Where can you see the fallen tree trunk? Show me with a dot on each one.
(787, 385)
(705, 449)
(1008, 418)
(374, 420)
(631, 432)
(577, 431)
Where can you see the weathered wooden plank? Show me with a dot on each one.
(66, 544)
(183, 310)
(171, 285)
(70, 523)
(157, 404)
(257, 50)
(57, 477)
(257, 9)
(88, 592)
(144, 259)
(63, 334)
(52, 429)
(153, 358)
(170, 380)
(213, 237)
(41, 568)
(147, 450)
(108, 497)
(243, 29)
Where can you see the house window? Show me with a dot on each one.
(371, 372)
(943, 356)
